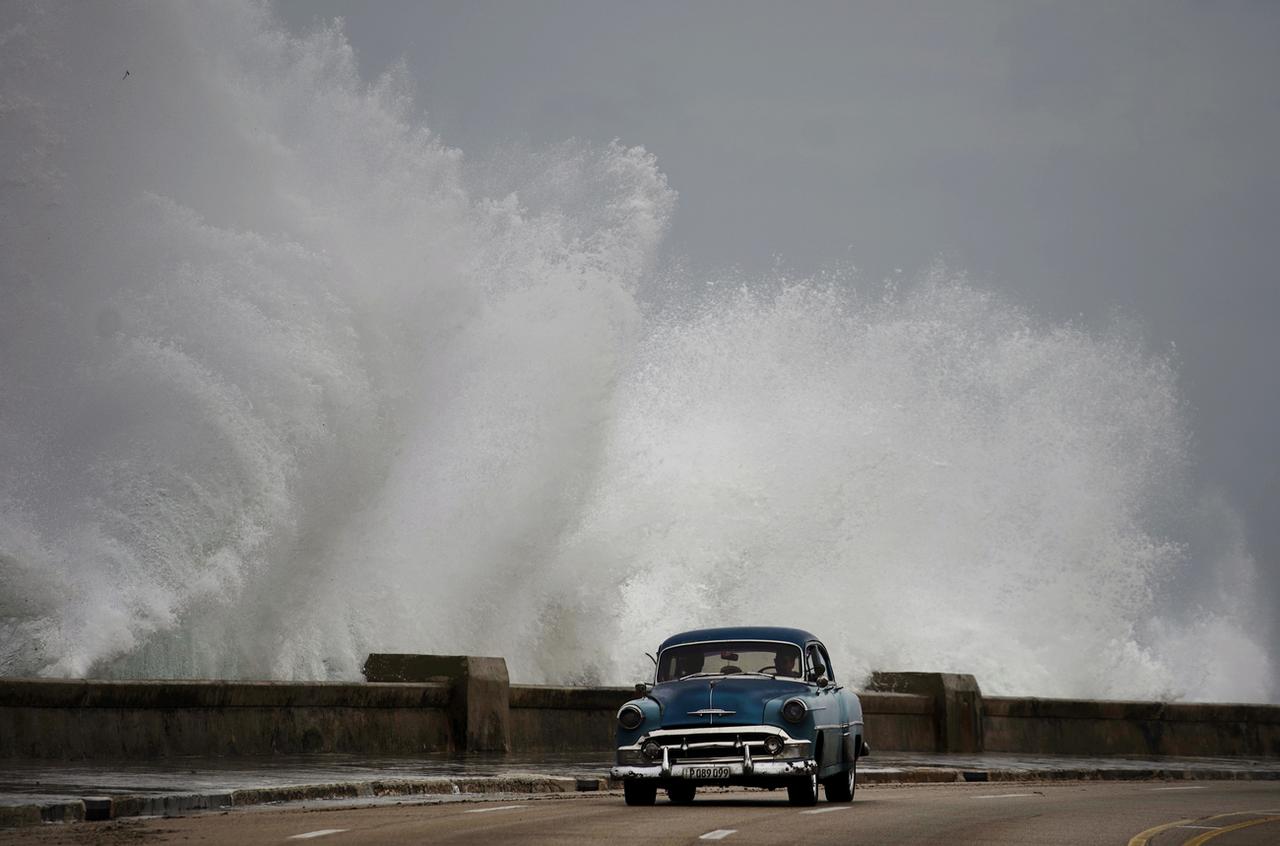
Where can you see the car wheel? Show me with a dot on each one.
(681, 794)
(840, 787)
(639, 792)
(803, 790)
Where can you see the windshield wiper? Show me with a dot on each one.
(723, 675)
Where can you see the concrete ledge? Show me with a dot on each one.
(548, 718)
(1065, 726)
(36, 813)
(422, 703)
(116, 807)
(879, 702)
(914, 775)
(942, 775)
(570, 698)
(1096, 709)
(87, 719)
(130, 733)
(899, 721)
(13, 816)
(479, 692)
(120, 806)
(957, 705)
(93, 693)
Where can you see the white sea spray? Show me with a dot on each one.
(283, 383)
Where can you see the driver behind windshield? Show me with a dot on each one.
(784, 663)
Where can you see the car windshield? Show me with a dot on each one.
(725, 657)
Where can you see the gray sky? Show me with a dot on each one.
(1087, 159)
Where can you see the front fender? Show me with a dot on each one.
(652, 711)
(806, 729)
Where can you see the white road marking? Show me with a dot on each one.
(1196, 787)
(487, 810)
(828, 810)
(718, 834)
(1004, 796)
(321, 833)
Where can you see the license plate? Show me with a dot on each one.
(706, 772)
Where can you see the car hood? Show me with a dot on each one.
(745, 696)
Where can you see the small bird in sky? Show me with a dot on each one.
(126, 74)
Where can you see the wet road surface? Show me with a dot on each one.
(20, 781)
(1135, 813)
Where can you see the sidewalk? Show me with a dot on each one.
(34, 792)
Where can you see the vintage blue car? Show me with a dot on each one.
(748, 705)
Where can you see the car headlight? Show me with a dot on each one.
(652, 751)
(630, 717)
(773, 745)
(793, 710)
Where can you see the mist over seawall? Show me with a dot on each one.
(284, 383)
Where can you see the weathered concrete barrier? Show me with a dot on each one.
(1094, 727)
(583, 719)
(957, 706)
(478, 693)
(417, 704)
(547, 718)
(42, 718)
(903, 722)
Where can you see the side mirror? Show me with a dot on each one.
(822, 680)
(641, 688)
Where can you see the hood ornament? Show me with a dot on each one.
(711, 711)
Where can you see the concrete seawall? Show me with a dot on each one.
(79, 720)
(1062, 726)
(547, 718)
(576, 719)
(467, 704)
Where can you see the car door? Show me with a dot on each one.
(843, 703)
(831, 719)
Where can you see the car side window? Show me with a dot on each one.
(817, 667)
(826, 660)
(819, 662)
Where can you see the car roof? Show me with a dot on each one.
(796, 636)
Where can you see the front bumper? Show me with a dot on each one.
(734, 770)
(734, 755)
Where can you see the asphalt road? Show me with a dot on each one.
(1136, 813)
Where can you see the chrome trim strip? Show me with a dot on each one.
(683, 736)
(692, 730)
(633, 707)
(722, 744)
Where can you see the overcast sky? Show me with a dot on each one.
(1085, 158)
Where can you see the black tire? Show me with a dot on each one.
(639, 792)
(803, 790)
(840, 787)
(682, 794)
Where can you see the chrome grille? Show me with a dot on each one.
(705, 746)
